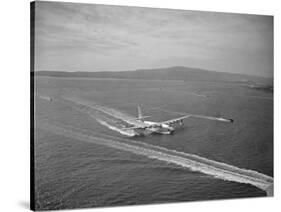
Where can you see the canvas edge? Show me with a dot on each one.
(32, 54)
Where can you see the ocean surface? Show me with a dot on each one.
(74, 173)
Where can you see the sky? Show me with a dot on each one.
(89, 37)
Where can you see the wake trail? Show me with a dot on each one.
(193, 162)
(129, 133)
(93, 108)
(130, 119)
(111, 118)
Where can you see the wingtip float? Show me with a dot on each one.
(225, 120)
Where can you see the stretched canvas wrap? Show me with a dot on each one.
(133, 105)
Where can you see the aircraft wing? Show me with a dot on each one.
(173, 121)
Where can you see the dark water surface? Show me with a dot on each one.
(74, 174)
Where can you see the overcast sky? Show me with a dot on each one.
(88, 37)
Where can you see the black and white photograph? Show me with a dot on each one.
(137, 105)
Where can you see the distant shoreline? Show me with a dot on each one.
(107, 78)
(173, 73)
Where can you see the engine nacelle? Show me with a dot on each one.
(168, 127)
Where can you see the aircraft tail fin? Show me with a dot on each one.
(140, 115)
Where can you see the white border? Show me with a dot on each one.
(14, 192)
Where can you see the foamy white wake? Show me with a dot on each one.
(190, 161)
(193, 162)
(89, 106)
(104, 115)
(129, 133)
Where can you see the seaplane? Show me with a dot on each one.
(140, 127)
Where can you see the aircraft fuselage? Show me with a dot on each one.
(164, 129)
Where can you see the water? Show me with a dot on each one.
(71, 173)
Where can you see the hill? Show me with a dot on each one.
(171, 73)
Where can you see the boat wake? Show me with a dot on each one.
(192, 162)
(129, 133)
(108, 117)
(92, 107)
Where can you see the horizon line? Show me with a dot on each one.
(167, 67)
